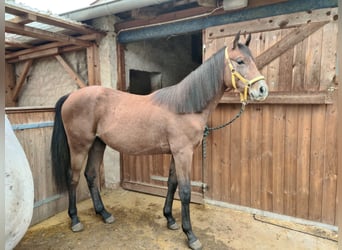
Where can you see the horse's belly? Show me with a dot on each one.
(134, 139)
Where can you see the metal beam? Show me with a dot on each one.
(198, 24)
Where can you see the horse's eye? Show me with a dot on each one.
(240, 61)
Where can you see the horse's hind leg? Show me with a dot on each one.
(73, 178)
(172, 186)
(95, 158)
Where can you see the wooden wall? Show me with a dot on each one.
(281, 155)
(33, 128)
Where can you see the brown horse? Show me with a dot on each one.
(168, 121)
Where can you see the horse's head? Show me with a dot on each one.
(244, 73)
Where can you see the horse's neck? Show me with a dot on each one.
(213, 104)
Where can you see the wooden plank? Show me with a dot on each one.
(328, 57)
(24, 19)
(48, 19)
(9, 85)
(272, 75)
(330, 167)
(286, 62)
(255, 158)
(71, 72)
(97, 64)
(303, 98)
(235, 152)
(272, 23)
(244, 146)
(278, 158)
(21, 80)
(303, 161)
(317, 162)
(38, 54)
(12, 55)
(45, 53)
(121, 70)
(138, 169)
(30, 109)
(225, 155)
(313, 61)
(91, 65)
(290, 159)
(20, 29)
(215, 174)
(15, 44)
(286, 43)
(299, 67)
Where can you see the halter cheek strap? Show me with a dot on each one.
(235, 74)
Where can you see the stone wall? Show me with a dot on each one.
(47, 80)
(169, 56)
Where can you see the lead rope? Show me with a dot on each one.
(207, 130)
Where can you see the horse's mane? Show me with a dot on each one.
(195, 91)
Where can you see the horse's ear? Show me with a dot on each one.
(236, 40)
(248, 40)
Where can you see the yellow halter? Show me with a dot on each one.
(235, 74)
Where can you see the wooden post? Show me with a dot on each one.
(21, 80)
(339, 132)
(121, 84)
(9, 85)
(93, 63)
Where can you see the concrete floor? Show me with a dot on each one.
(140, 224)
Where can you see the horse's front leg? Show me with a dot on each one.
(183, 170)
(172, 186)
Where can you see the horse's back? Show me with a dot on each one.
(126, 122)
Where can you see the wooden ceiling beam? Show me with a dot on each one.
(15, 44)
(20, 29)
(24, 19)
(45, 53)
(48, 19)
(13, 55)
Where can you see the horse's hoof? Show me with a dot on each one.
(196, 245)
(77, 227)
(110, 219)
(173, 226)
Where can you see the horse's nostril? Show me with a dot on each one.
(262, 89)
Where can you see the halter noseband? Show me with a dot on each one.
(235, 74)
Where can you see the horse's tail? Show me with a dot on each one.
(60, 153)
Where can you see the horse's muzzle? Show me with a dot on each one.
(258, 91)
